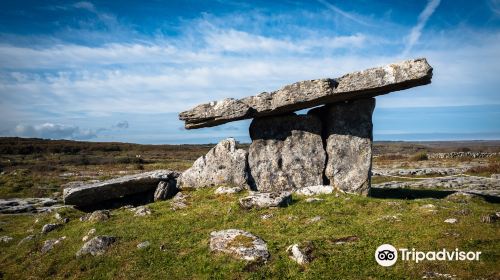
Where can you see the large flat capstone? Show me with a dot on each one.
(286, 152)
(307, 94)
(91, 194)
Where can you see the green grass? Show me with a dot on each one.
(185, 236)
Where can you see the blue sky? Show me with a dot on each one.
(123, 70)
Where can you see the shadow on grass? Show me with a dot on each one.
(415, 194)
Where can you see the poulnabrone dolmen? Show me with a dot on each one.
(328, 148)
(330, 145)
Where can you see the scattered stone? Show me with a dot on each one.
(302, 254)
(26, 239)
(239, 244)
(6, 239)
(455, 155)
(49, 244)
(96, 246)
(491, 218)
(143, 245)
(428, 206)
(223, 165)
(228, 190)
(313, 199)
(266, 200)
(314, 219)
(85, 194)
(286, 152)
(443, 171)
(391, 218)
(451, 221)
(431, 275)
(495, 176)
(460, 197)
(127, 206)
(307, 94)
(96, 216)
(50, 227)
(165, 190)
(344, 240)
(348, 130)
(266, 216)
(179, 201)
(463, 212)
(60, 218)
(314, 190)
(452, 234)
(142, 211)
(89, 234)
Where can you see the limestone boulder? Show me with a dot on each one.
(223, 165)
(96, 246)
(165, 190)
(286, 152)
(347, 129)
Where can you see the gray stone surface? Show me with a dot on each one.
(91, 194)
(266, 200)
(165, 190)
(28, 205)
(239, 244)
(307, 94)
(467, 184)
(50, 227)
(347, 129)
(302, 254)
(286, 152)
(96, 216)
(96, 246)
(49, 244)
(223, 165)
(419, 171)
(314, 190)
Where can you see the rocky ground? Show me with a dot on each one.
(230, 233)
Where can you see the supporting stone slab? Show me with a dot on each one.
(286, 152)
(348, 134)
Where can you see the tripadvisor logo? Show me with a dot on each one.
(387, 255)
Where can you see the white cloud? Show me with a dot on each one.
(416, 31)
(54, 131)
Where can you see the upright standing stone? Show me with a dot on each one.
(286, 152)
(347, 128)
(223, 165)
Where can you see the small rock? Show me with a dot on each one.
(239, 244)
(96, 246)
(301, 254)
(431, 275)
(392, 218)
(127, 206)
(163, 247)
(495, 176)
(347, 239)
(6, 239)
(451, 221)
(463, 212)
(461, 197)
(143, 245)
(266, 216)
(314, 190)
(49, 227)
(428, 206)
(490, 218)
(452, 234)
(142, 211)
(165, 190)
(314, 219)
(26, 239)
(179, 201)
(228, 190)
(266, 200)
(96, 216)
(313, 199)
(90, 233)
(49, 244)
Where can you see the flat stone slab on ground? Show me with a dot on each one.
(266, 200)
(90, 194)
(239, 244)
(308, 94)
(28, 205)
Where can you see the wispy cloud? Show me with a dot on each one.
(416, 31)
(345, 14)
(54, 131)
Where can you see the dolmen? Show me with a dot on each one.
(330, 145)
